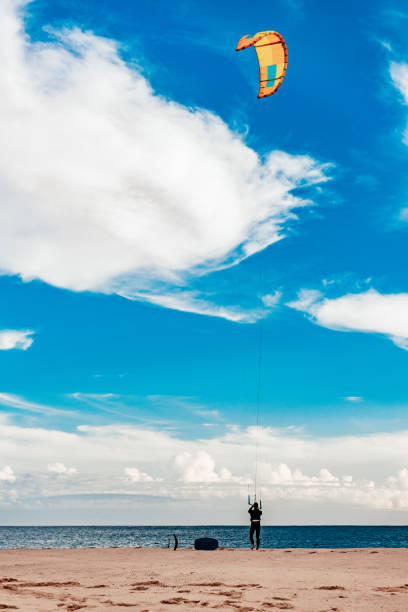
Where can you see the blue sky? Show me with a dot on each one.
(138, 255)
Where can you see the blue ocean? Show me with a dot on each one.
(230, 536)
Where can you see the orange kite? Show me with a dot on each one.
(273, 59)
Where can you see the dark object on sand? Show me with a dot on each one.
(175, 541)
(205, 544)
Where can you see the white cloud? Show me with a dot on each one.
(20, 403)
(6, 474)
(400, 481)
(200, 468)
(399, 76)
(369, 472)
(283, 475)
(354, 399)
(214, 414)
(387, 45)
(272, 299)
(60, 469)
(133, 474)
(369, 311)
(15, 339)
(190, 301)
(116, 188)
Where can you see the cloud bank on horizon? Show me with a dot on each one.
(115, 460)
(108, 186)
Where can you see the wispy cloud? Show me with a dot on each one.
(214, 414)
(20, 403)
(171, 195)
(15, 339)
(190, 301)
(399, 76)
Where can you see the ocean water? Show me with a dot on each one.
(230, 536)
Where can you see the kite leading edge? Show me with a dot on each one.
(273, 59)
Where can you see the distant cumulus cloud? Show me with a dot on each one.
(200, 468)
(6, 474)
(133, 474)
(118, 189)
(400, 481)
(60, 468)
(369, 311)
(354, 399)
(283, 475)
(15, 339)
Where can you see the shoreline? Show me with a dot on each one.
(218, 550)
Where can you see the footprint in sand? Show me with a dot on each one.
(147, 583)
(280, 605)
(6, 607)
(48, 584)
(207, 584)
(234, 594)
(389, 589)
(141, 587)
(119, 603)
(330, 588)
(281, 598)
(9, 587)
(233, 604)
(176, 601)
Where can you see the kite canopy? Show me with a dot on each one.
(273, 59)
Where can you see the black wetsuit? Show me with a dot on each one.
(255, 514)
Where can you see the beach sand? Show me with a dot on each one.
(162, 579)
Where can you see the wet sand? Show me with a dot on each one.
(160, 579)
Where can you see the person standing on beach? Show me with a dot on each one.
(255, 514)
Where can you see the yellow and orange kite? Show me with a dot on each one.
(273, 59)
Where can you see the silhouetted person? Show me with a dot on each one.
(255, 514)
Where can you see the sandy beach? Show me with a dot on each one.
(162, 579)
